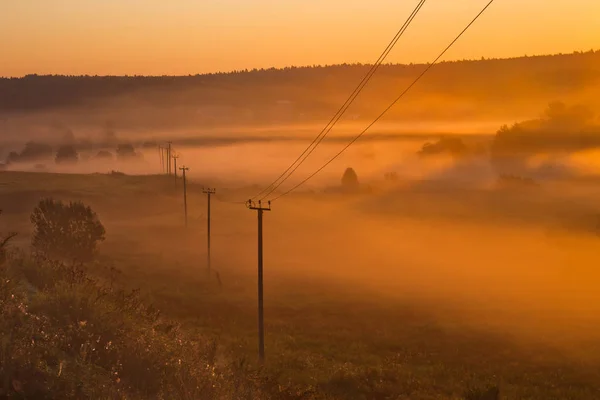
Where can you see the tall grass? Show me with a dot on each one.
(65, 334)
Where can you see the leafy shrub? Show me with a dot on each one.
(32, 151)
(126, 151)
(350, 179)
(71, 337)
(66, 154)
(66, 231)
(452, 146)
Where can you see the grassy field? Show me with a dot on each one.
(407, 295)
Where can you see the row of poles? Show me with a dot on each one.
(168, 160)
(259, 207)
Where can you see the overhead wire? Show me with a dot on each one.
(429, 66)
(317, 140)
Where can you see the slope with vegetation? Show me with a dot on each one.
(492, 88)
(93, 337)
(68, 334)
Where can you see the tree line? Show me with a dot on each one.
(302, 84)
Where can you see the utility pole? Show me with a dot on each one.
(208, 192)
(169, 158)
(161, 154)
(175, 157)
(261, 332)
(184, 168)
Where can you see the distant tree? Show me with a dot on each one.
(13, 156)
(350, 179)
(66, 154)
(104, 155)
(126, 151)
(452, 146)
(66, 232)
(558, 115)
(32, 151)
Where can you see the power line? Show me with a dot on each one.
(274, 185)
(392, 104)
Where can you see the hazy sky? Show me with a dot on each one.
(194, 36)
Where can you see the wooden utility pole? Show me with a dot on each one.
(175, 157)
(261, 332)
(161, 153)
(169, 158)
(208, 192)
(184, 168)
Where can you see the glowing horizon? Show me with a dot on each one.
(184, 37)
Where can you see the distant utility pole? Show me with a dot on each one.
(161, 154)
(175, 157)
(184, 168)
(208, 192)
(261, 332)
(169, 158)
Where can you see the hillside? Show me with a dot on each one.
(483, 89)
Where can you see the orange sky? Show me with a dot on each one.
(156, 37)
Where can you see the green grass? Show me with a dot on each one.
(331, 337)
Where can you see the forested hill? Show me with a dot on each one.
(449, 90)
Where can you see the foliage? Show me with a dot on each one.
(67, 335)
(246, 96)
(66, 154)
(66, 231)
(350, 179)
(126, 151)
(32, 151)
(560, 129)
(452, 146)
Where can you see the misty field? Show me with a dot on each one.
(463, 261)
(414, 291)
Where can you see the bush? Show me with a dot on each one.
(32, 151)
(126, 151)
(71, 337)
(452, 146)
(66, 154)
(349, 180)
(66, 231)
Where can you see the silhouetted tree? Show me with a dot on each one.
(13, 156)
(560, 129)
(104, 155)
(66, 232)
(350, 180)
(126, 151)
(66, 154)
(452, 146)
(32, 151)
